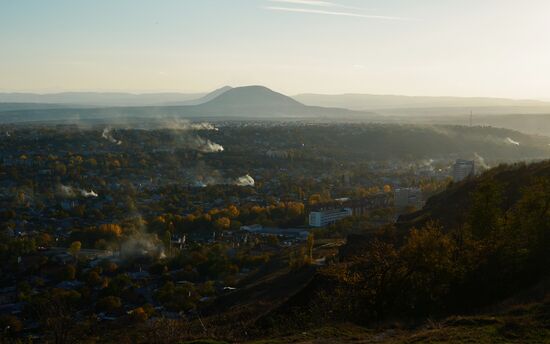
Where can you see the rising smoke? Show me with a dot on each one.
(209, 178)
(481, 161)
(509, 140)
(246, 180)
(178, 124)
(71, 192)
(109, 137)
(204, 145)
(182, 132)
(140, 245)
(138, 242)
(197, 142)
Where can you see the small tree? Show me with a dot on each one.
(167, 241)
(139, 315)
(68, 273)
(109, 304)
(94, 279)
(74, 249)
(309, 245)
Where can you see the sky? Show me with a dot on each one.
(498, 48)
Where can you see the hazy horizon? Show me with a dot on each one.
(200, 93)
(468, 49)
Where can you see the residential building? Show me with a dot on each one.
(462, 169)
(408, 197)
(325, 217)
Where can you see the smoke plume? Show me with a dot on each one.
(181, 131)
(202, 177)
(141, 245)
(205, 145)
(246, 180)
(138, 242)
(87, 194)
(109, 137)
(480, 161)
(71, 192)
(180, 124)
(509, 140)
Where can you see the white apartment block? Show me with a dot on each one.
(326, 217)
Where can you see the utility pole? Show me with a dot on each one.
(471, 115)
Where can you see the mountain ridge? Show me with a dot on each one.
(360, 101)
(239, 102)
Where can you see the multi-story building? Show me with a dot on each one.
(408, 197)
(462, 169)
(325, 217)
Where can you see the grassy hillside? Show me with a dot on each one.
(520, 323)
(475, 245)
(452, 207)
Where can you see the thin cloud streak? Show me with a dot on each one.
(307, 2)
(333, 13)
(315, 3)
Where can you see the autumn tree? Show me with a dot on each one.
(428, 258)
(309, 246)
(74, 249)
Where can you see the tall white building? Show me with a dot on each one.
(408, 197)
(325, 217)
(462, 169)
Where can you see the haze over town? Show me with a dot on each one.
(274, 171)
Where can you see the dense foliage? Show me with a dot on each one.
(500, 249)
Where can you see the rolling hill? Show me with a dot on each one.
(100, 99)
(451, 207)
(206, 98)
(261, 102)
(401, 104)
(249, 102)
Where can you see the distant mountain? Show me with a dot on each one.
(208, 97)
(100, 98)
(248, 102)
(261, 102)
(253, 96)
(251, 99)
(378, 102)
(30, 106)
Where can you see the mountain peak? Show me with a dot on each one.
(221, 90)
(254, 95)
(208, 97)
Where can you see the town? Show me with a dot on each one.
(144, 223)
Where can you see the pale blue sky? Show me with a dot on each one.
(415, 47)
